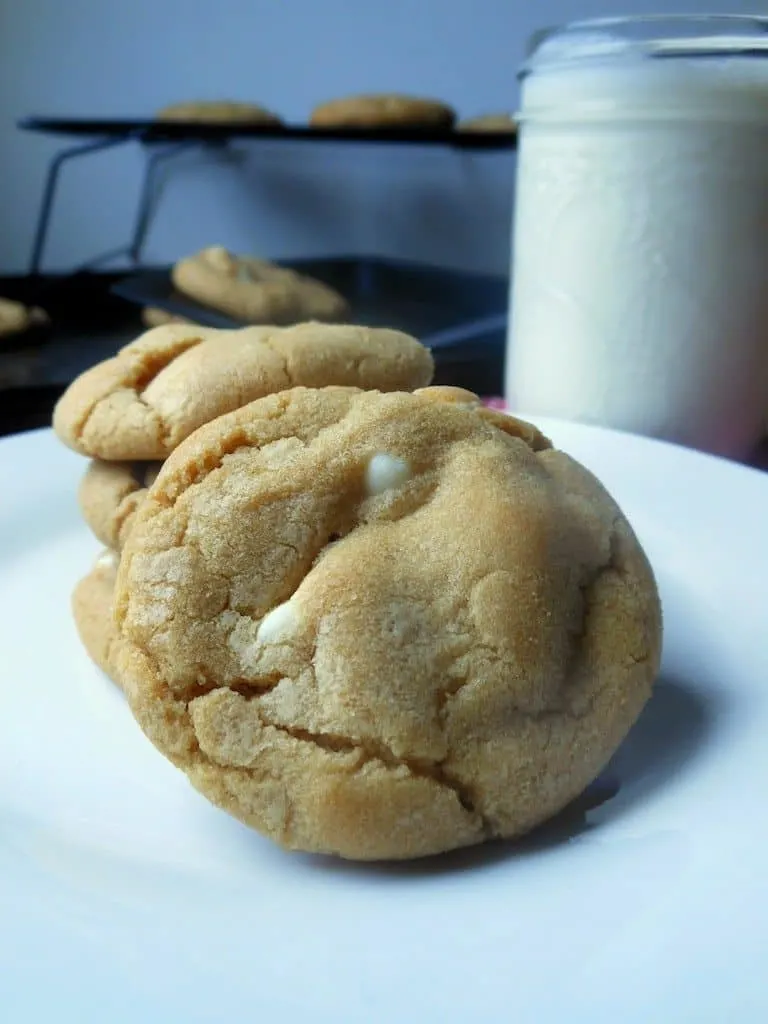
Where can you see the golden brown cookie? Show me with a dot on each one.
(383, 625)
(92, 601)
(502, 123)
(142, 403)
(255, 291)
(15, 317)
(217, 112)
(153, 316)
(109, 495)
(382, 110)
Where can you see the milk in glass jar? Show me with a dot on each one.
(640, 250)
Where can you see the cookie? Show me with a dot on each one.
(502, 123)
(142, 403)
(382, 110)
(383, 625)
(153, 316)
(15, 317)
(255, 291)
(92, 601)
(110, 494)
(217, 112)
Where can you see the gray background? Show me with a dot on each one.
(128, 57)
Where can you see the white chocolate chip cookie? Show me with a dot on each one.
(383, 625)
(142, 403)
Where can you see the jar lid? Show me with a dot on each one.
(602, 40)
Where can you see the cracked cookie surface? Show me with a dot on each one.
(142, 403)
(383, 625)
(92, 602)
(255, 291)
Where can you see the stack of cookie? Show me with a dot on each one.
(375, 623)
(129, 413)
(254, 291)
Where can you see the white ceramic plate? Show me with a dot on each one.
(125, 897)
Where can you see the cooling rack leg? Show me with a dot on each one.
(49, 192)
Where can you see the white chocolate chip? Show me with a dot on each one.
(384, 472)
(107, 560)
(277, 623)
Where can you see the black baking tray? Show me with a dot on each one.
(148, 130)
(30, 337)
(89, 322)
(448, 310)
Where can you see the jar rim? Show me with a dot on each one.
(644, 37)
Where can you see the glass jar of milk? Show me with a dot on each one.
(640, 250)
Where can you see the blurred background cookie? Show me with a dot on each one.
(15, 318)
(217, 112)
(501, 122)
(382, 110)
(255, 291)
(153, 316)
(23, 330)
